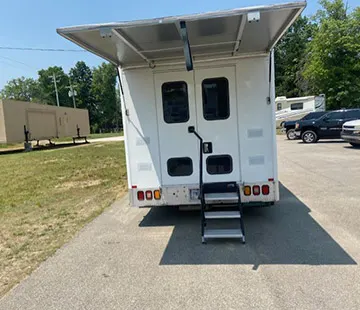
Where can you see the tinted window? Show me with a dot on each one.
(297, 106)
(180, 166)
(335, 115)
(219, 164)
(314, 115)
(353, 114)
(279, 106)
(175, 102)
(215, 95)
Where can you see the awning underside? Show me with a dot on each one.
(228, 33)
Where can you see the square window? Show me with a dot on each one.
(297, 106)
(219, 164)
(215, 98)
(175, 102)
(180, 166)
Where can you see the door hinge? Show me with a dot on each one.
(268, 101)
(127, 113)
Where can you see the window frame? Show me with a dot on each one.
(222, 78)
(355, 116)
(328, 118)
(220, 155)
(163, 102)
(179, 158)
(297, 103)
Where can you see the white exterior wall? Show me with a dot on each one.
(255, 120)
(140, 129)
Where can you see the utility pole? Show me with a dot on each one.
(53, 77)
(72, 93)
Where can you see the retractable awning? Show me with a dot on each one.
(246, 31)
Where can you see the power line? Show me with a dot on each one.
(19, 62)
(41, 49)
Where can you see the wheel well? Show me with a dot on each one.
(308, 128)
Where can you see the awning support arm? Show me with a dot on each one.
(132, 46)
(239, 34)
(187, 50)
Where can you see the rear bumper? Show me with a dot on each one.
(351, 138)
(179, 195)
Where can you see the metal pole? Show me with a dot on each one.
(56, 90)
(72, 95)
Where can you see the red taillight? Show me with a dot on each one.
(265, 189)
(140, 195)
(148, 195)
(256, 190)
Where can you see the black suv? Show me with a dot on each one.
(289, 126)
(328, 126)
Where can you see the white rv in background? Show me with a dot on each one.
(295, 108)
(198, 106)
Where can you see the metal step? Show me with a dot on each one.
(222, 233)
(222, 215)
(212, 198)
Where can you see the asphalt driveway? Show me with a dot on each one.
(302, 253)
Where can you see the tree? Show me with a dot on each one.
(104, 94)
(47, 86)
(81, 78)
(24, 89)
(333, 61)
(289, 58)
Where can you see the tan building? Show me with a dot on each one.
(42, 121)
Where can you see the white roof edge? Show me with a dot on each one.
(89, 48)
(171, 19)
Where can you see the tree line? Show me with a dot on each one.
(95, 90)
(319, 54)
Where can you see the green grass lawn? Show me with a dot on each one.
(47, 196)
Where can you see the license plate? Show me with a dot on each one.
(194, 194)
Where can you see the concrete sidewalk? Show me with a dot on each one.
(108, 139)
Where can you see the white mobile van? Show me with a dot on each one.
(198, 105)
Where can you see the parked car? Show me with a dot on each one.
(351, 132)
(328, 126)
(289, 126)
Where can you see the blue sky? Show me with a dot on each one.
(32, 23)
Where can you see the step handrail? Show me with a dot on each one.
(191, 129)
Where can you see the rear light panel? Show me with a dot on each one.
(149, 195)
(157, 194)
(265, 189)
(256, 190)
(140, 195)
